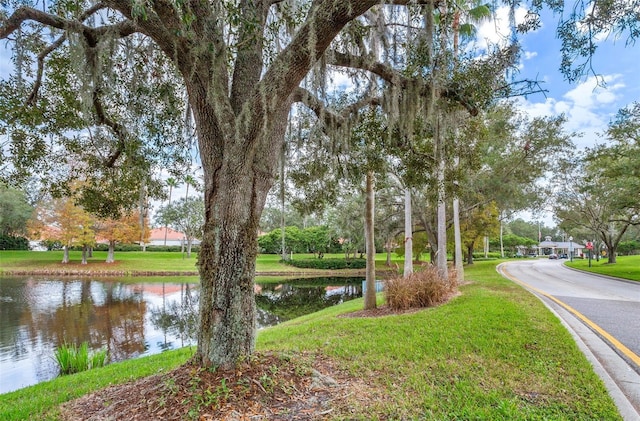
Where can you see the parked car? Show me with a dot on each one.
(553, 256)
(563, 256)
(532, 255)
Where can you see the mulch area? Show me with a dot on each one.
(269, 387)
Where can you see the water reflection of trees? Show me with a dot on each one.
(289, 301)
(104, 314)
(178, 318)
(39, 315)
(275, 302)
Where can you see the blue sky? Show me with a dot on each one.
(588, 107)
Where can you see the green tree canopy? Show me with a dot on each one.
(15, 211)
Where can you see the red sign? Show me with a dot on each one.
(589, 245)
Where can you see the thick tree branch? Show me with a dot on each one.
(246, 74)
(393, 77)
(51, 48)
(330, 118)
(119, 130)
(385, 72)
(22, 14)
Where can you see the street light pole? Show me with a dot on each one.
(571, 249)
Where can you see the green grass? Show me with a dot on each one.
(627, 267)
(40, 401)
(493, 353)
(135, 261)
(125, 261)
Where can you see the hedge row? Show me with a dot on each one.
(8, 242)
(328, 263)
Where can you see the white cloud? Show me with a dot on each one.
(528, 55)
(498, 30)
(587, 107)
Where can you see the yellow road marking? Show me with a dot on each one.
(616, 343)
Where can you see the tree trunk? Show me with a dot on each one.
(283, 156)
(485, 246)
(501, 239)
(458, 241)
(388, 250)
(189, 244)
(370, 296)
(227, 267)
(143, 245)
(441, 260)
(65, 254)
(84, 255)
(408, 234)
(237, 178)
(470, 255)
(111, 252)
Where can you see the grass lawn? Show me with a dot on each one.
(627, 267)
(493, 353)
(132, 261)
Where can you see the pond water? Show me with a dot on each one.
(128, 319)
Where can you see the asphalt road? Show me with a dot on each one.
(602, 313)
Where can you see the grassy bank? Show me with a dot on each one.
(152, 262)
(627, 267)
(493, 353)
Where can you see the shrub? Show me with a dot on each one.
(328, 263)
(420, 289)
(73, 359)
(9, 242)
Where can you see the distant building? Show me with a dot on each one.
(174, 238)
(548, 247)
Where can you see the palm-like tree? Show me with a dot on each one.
(190, 180)
(471, 12)
(171, 183)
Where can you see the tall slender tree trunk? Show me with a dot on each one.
(143, 212)
(370, 295)
(408, 234)
(443, 270)
(457, 253)
(84, 254)
(485, 241)
(282, 191)
(501, 239)
(65, 254)
(111, 252)
(459, 265)
(166, 227)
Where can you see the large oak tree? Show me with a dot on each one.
(113, 71)
(240, 87)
